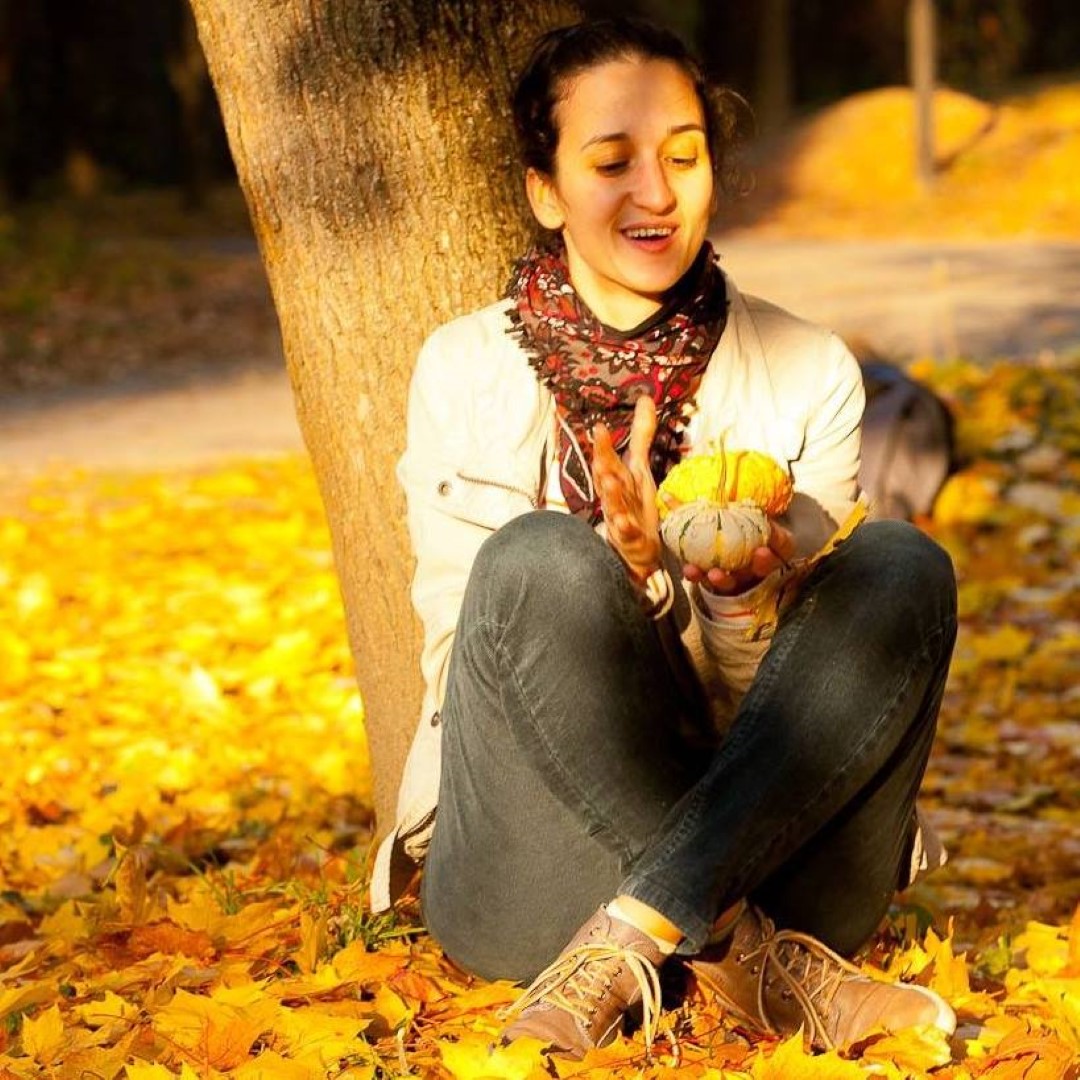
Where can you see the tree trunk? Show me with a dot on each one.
(8, 45)
(373, 145)
(186, 66)
(772, 102)
(922, 64)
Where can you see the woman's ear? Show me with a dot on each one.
(544, 200)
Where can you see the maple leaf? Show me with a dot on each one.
(16, 999)
(478, 1057)
(138, 1070)
(312, 940)
(357, 964)
(1025, 1054)
(43, 1036)
(391, 1010)
(916, 1050)
(312, 1036)
(167, 937)
(791, 1061)
(106, 1010)
(483, 997)
(1046, 949)
(213, 1033)
(270, 1065)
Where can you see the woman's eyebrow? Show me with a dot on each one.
(622, 136)
(617, 136)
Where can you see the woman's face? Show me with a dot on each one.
(633, 185)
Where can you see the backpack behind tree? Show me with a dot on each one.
(908, 443)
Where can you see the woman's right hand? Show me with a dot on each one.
(628, 493)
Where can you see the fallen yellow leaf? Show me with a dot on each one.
(476, 1057)
(43, 1036)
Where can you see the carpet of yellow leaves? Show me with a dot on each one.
(183, 822)
(1004, 169)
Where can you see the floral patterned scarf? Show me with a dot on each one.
(597, 373)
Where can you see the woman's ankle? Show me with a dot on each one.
(648, 920)
(724, 924)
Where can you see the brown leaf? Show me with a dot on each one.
(167, 937)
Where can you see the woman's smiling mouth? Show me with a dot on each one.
(649, 231)
(650, 237)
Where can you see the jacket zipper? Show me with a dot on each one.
(533, 501)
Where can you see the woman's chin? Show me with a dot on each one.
(654, 275)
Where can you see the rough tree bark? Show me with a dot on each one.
(373, 146)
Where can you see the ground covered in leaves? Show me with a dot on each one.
(1003, 168)
(184, 831)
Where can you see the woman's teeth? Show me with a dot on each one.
(649, 233)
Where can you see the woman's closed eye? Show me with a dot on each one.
(617, 168)
(612, 168)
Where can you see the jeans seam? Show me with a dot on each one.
(851, 758)
(593, 818)
(662, 867)
(691, 816)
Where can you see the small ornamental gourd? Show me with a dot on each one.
(725, 502)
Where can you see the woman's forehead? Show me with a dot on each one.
(627, 96)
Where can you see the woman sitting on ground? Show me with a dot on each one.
(608, 773)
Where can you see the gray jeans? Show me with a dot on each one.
(567, 779)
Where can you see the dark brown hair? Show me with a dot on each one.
(561, 54)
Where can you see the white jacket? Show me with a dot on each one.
(480, 433)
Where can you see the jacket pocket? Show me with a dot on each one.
(479, 493)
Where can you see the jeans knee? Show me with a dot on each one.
(550, 557)
(906, 568)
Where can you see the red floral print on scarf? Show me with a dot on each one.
(597, 373)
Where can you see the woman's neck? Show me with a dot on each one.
(627, 313)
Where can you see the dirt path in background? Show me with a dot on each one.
(903, 299)
(910, 299)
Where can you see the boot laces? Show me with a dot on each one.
(580, 979)
(808, 971)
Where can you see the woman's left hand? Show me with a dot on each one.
(777, 553)
(627, 492)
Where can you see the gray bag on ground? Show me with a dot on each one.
(908, 444)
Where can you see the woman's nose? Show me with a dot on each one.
(652, 191)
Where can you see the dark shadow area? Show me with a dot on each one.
(100, 292)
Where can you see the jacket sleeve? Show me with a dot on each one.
(826, 471)
(467, 470)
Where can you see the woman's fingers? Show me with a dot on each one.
(642, 430)
(609, 474)
(763, 562)
(604, 456)
(724, 581)
(626, 490)
(782, 541)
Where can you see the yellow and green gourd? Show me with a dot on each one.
(724, 502)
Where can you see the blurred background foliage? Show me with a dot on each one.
(114, 94)
(125, 244)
